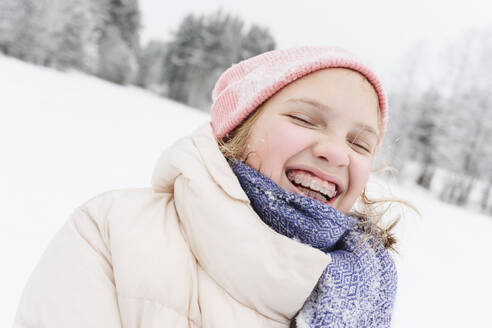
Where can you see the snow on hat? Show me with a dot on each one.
(246, 85)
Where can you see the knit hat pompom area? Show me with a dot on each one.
(246, 85)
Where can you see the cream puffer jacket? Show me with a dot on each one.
(189, 252)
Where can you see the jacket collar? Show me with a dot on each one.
(256, 266)
(216, 163)
(182, 157)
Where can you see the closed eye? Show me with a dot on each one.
(362, 146)
(361, 142)
(300, 119)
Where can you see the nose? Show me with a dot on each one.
(333, 151)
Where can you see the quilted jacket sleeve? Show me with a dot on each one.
(73, 284)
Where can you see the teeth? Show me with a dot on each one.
(313, 183)
(312, 194)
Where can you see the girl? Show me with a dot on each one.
(250, 221)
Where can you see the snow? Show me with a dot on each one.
(445, 266)
(66, 137)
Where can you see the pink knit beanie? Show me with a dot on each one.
(246, 85)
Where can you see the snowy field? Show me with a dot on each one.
(66, 137)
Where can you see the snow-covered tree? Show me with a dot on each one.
(448, 123)
(12, 13)
(79, 37)
(119, 40)
(151, 67)
(117, 62)
(32, 42)
(125, 15)
(426, 135)
(484, 157)
(403, 100)
(257, 40)
(469, 119)
(201, 49)
(96, 36)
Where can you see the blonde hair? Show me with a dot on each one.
(371, 211)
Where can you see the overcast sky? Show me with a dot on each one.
(378, 30)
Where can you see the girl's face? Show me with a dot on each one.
(317, 136)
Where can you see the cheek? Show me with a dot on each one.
(279, 144)
(360, 169)
(359, 174)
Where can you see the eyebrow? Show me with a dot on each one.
(324, 107)
(311, 102)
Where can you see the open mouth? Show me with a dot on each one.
(312, 186)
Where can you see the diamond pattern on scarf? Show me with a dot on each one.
(358, 287)
(292, 215)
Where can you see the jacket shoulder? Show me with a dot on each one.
(114, 202)
(117, 210)
(138, 227)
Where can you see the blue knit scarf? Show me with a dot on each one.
(358, 287)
